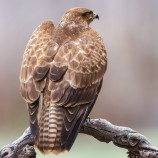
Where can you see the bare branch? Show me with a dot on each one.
(21, 148)
(137, 145)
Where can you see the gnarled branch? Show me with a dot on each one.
(137, 145)
(20, 148)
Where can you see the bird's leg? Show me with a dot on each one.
(88, 118)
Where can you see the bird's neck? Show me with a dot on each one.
(69, 30)
(74, 24)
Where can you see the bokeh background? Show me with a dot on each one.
(129, 95)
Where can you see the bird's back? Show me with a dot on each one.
(66, 76)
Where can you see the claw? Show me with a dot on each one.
(88, 119)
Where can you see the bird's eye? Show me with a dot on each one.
(86, 14)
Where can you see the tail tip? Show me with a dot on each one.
(46, 151)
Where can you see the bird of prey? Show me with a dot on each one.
(61, 76)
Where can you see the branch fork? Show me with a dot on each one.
(137, 145)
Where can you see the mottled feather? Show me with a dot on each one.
(63, 67)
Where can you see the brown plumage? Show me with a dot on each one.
(61, 76)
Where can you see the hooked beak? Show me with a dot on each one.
(95, 16)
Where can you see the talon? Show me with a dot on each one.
(88, 118)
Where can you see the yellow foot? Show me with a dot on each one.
(88, 118)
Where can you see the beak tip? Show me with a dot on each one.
(97, 17)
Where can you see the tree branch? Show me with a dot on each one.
(137, 145)
(20, 148)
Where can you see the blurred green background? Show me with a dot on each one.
(129, 95)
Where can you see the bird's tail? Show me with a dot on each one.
(59, 126)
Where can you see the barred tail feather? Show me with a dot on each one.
(33, 111)
(49, 124)
(59, 126)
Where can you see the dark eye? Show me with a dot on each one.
(86, 14)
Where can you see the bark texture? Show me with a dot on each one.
(137, 145)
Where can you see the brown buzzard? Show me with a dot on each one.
(60, 79)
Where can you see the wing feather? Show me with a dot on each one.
(73, 73)
(56, 73)
(77, 70)
(76, 76)
(40, 72)
(39, 52)
(81, 61)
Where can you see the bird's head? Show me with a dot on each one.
(80, 15)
